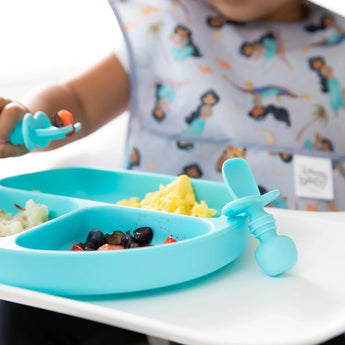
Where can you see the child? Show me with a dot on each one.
(202, 76)
(232, 74)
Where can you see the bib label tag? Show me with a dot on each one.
(313, 177)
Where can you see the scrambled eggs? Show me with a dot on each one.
(177, 197)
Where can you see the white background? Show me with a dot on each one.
(47, 41)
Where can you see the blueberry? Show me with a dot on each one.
(97, 237)
(126, 239)
(133, 244)
(89, 246)
(56, 120)
(143, 235)
(114, 238)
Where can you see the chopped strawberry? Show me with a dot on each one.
(169, 240)
(63, 118)
(107, 246)
(77, 247)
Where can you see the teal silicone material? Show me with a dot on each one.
(110, 186)
(41, 258)
(36, 130)
(276, 254)
(82, 199)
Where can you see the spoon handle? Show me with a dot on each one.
(276, 254)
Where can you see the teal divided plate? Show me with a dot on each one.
(81, 199)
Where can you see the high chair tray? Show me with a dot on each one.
(81, 199)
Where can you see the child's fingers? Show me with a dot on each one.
(11, 113)
(3, 102)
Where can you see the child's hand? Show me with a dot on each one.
(11, 113)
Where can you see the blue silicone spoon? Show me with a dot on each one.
(36, 130)
(276, 254)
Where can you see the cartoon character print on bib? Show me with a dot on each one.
(268, 46)
(183, 45)
(327, 23)
(259, 110)
(329, 82)
(205, 89)
(196, 121)
(165, 95)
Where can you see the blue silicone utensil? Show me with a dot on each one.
(276, 254)
(36, 130)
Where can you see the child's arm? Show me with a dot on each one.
(94, 98)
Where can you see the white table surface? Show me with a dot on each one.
(238, 304)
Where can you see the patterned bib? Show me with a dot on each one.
(205, 89)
